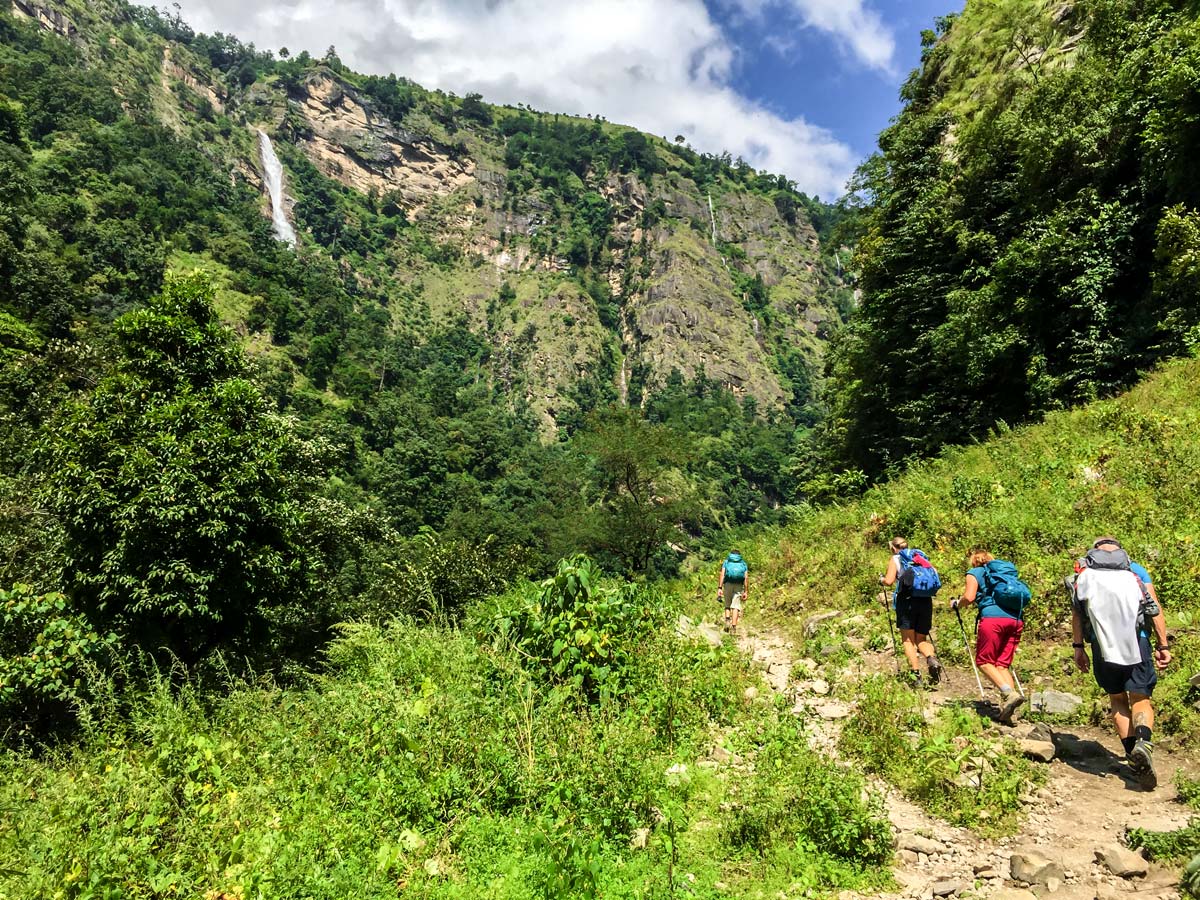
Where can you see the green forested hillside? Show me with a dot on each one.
(503, 336)
(1032, 238)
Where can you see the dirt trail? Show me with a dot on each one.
(1086, 804)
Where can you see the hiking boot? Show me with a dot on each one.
(935, 670)
(1142, 764)
(914, 680)
(1010, 706)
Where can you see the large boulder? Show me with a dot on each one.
(1122, 862)
(1054, 703)
(1033, 867)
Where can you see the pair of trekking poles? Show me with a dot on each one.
(966, 644)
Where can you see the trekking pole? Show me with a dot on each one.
(970, 653)
(891, 628)
(1016, 680)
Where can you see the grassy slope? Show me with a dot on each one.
(1129, 466)
(422, 763)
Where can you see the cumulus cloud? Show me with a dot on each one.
(664, 66)
(856, 27)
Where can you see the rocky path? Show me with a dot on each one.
(1069, 843)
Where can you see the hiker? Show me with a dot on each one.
(1114, 607)
(914, 608)
(1000, 597)
(733, 587)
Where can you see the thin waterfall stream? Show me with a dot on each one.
(274, 178)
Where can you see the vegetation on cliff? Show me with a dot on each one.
(1031, 241)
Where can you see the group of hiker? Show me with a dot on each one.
(1114, 612)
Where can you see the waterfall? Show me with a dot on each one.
(274, 178)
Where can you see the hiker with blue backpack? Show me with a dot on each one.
(1000, 598)
(916, 581)
(733, 587)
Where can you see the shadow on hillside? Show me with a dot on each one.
(1092, 758)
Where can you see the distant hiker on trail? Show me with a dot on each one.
(733, 587)
(916, 582)
(1114, 607)
(1000, 598)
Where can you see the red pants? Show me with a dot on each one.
(997, 641)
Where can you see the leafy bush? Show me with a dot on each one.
(46, 648)
(797, 798)
(182, 497)
(582, 631)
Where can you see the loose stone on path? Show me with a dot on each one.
(1122, 862)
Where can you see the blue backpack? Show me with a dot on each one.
(1004, 587)
(735, 568)
(917, 575)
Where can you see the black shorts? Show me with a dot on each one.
(1139, 679)
(914, 614)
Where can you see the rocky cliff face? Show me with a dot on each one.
(359, 148)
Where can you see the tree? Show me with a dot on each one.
(183, 500)
(642, 497)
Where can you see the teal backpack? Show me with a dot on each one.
(735, 568)
(1004, 587)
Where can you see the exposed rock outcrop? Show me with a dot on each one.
(349, 142)
(47, 17)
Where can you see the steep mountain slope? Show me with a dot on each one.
(1034, 225)
(1037, 495)
(582, 251)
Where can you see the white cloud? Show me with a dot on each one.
(663, 66)
(857, 28)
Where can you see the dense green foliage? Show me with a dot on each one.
(422, 761)
(1032, 239)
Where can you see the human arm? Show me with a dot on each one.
(970, 592)
(888, 578)
(1162, 655)
(746, 586)
(1081, 656)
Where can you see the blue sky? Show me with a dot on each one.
(801, 72)
(799, 87)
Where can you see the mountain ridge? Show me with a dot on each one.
(742, 296)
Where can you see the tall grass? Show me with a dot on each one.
(426, 763)
(1037, 495)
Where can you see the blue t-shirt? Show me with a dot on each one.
(988, 608)
(1140, 572)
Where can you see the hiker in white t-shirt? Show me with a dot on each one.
(1115, 608)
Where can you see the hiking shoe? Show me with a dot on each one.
(935, 670)
(914, 680)
(1142, 764)
(1010, 706)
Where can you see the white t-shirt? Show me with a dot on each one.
(1114, 599)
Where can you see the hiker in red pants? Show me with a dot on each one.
(1000, 597)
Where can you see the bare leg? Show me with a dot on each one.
(910, 648)
(1118, 705)
(923, 646)
(736, 617)
(1142, 712)
(998, 676)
